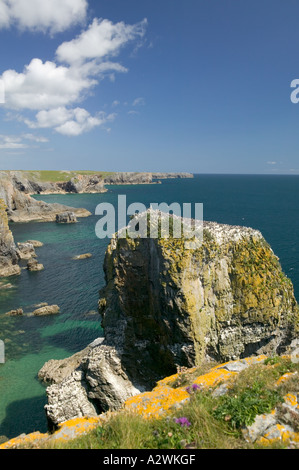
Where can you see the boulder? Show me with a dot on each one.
(84, 256)
(33, 265)
(27, 250)
(47, 310)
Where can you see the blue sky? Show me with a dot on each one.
(148, 85)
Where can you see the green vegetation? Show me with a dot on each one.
(203, 422)
(60, 176)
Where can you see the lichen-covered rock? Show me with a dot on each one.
(9, 255)
(167, 306)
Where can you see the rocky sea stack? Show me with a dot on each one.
(165, 306)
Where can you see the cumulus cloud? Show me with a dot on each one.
(52, 16)
(70, 122)
(101, 39)
(53, 89)
(43, 86)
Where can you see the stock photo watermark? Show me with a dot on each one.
(2, 352)
(295, 93)
(162, 220)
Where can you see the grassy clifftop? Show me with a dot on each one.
(59, 176)
(247, 404)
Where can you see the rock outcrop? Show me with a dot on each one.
(66, 218)
(26, 250)
(165, 306)
(47, 310)
(21, 207)
(34, 265)
(9, 254)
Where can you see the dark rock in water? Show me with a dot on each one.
(47, 310)
(66, 218)
(33, 265)
(15, 313)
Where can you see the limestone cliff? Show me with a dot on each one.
(9, 255)
(21, 207)
(166, 306)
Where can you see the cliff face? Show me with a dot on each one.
(166, 306)
(9, 256)
(21, 207)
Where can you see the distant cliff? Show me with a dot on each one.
(9, 256)
(21, 207)
(165, 306)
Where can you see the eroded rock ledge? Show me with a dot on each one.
(9, 254)
(165, 306)
(21, 207)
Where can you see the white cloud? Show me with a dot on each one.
(4, 15)
(70, 122)
(271, 163)
(101, 39)
(14, 142)
(53, 91)
(42, 15)
(44, 85)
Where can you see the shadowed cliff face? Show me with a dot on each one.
(165, 306)
(8, 252)
(168, 306)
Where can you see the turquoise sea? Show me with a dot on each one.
(267, 203)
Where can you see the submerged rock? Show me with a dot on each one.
(84, 256)
(167, 306)
(15, 313)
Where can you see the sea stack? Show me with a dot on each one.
(166, 306)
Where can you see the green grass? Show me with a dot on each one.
(214, 422)
(60, 176)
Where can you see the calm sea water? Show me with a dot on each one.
(267, 203)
